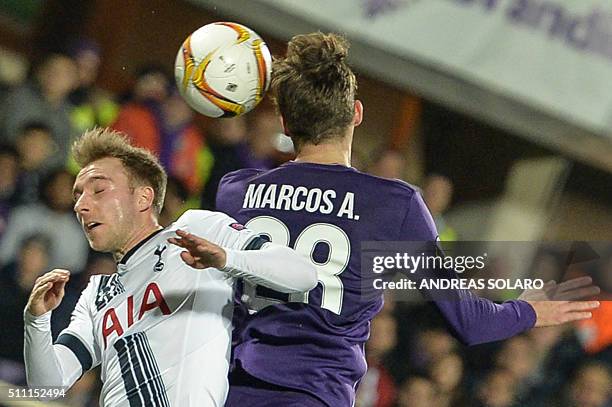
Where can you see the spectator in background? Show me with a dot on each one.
(184, 153)
(431, 343)
(417, 390)
(13, 70)
(518, 357)
(141, 116)
(591, 386)
(174, 201)
(447, 373)
(159, 120)
(388, 164)
(496, 390)
(549, 371)
(54, 217)
(9, 168)
(44, 98)
(92, 105)
(264, 127)
(564, 352)
(226, 140)
(377, 388)
(548, 265)
(36, 151)
(596, 333)
(438, 194)
(16, 282)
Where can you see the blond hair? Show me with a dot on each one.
(142, 167)
(314, 88)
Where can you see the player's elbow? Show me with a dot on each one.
(468, 340)
(466, 334)
(472, 335)
(293, 273)
(310, 278)
(37, 380)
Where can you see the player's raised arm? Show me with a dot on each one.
(49, 365)
(476, 320)
(274, 266)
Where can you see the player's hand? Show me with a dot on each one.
(199, 253)
(48, 292)
(557, 304)
(550, 313)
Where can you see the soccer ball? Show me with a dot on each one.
(223, 69)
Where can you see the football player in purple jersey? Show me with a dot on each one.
(308, 349)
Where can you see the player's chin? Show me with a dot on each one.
(97, 243)
(94, 245)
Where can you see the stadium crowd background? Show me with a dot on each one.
(66, 66)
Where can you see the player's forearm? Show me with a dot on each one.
(476, 320)
(47, 365)
(473, 319)
(273, 266)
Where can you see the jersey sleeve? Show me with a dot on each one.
(418, 225)
(221, 229)
(472, 319)
(267, 267)
(79, 336)
(63, 363)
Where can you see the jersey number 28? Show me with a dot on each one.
(328, 272)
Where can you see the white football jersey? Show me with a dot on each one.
(161, 329)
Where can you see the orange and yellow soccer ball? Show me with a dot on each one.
(223, 69)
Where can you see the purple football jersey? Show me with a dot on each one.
(314, 342)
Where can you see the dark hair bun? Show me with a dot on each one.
(318, 56)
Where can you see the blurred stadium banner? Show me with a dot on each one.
(538, 68)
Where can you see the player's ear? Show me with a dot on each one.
(145, 196)
(358, 113)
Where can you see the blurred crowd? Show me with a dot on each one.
(413, 359)
(415, 362)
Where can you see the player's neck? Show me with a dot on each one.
(333, 152)
(137, 236)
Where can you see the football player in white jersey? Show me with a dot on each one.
(161, 325)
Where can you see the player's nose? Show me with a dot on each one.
(81, 206)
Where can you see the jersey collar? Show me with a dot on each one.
(133, 250)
